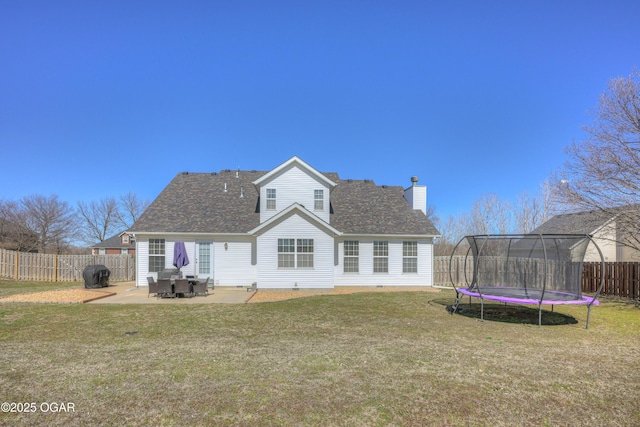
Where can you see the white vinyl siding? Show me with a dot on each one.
(142, 262)
(395, 275)
(294, 185)
(300, 229)
(234, 263)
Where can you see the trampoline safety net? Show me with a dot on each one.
(528, 267)
(542, 269)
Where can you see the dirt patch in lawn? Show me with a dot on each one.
(276, 295)
(61, 296)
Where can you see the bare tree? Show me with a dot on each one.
(603, 170)
(452, 230)
(99, 219)
(130, 207)
(51, 219)
(530, 211)
(13, 234)
(490, 215)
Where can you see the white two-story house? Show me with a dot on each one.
(291, 227)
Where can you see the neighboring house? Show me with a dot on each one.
(123, 243)
(602, 226)
(291, 227)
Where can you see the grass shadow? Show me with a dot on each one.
(507, 313)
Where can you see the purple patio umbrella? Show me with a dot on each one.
(180, 258)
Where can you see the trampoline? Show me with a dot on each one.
(530, 269)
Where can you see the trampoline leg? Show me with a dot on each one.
(482, 309)
(539, 315)
(588, 316)
(456, 304)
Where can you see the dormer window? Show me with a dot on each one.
(318, 200)
(271, 199)
(125, 239)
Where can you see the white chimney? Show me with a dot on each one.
(416, 195)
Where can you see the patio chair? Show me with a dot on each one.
(201, 287)
(153, 286)
(182, 286)
(165, 288)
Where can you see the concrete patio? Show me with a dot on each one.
(127, 293)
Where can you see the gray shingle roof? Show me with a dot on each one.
(362, 207)
(197, 203)
(574, 223)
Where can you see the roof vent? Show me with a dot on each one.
(414, 180)
(225, 187)
(241, 192)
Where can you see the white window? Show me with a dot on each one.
(295, 253)
(318, 200)
(125, 239)
(409, 257)
(351, 256)
(380, 257)
(304, 250)
(156, 255)
(271, 199)
(286, 253)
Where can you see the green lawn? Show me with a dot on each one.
(371, 359)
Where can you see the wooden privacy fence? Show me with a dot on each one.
(621, 279)
(441, 270)
(62, 268)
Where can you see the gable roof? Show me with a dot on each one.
(113, 242)
(198, 203)
(294, 209)
(294, 161)
(575, 223)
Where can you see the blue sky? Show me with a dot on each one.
(102, 98)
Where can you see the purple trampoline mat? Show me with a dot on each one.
(527, 296)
